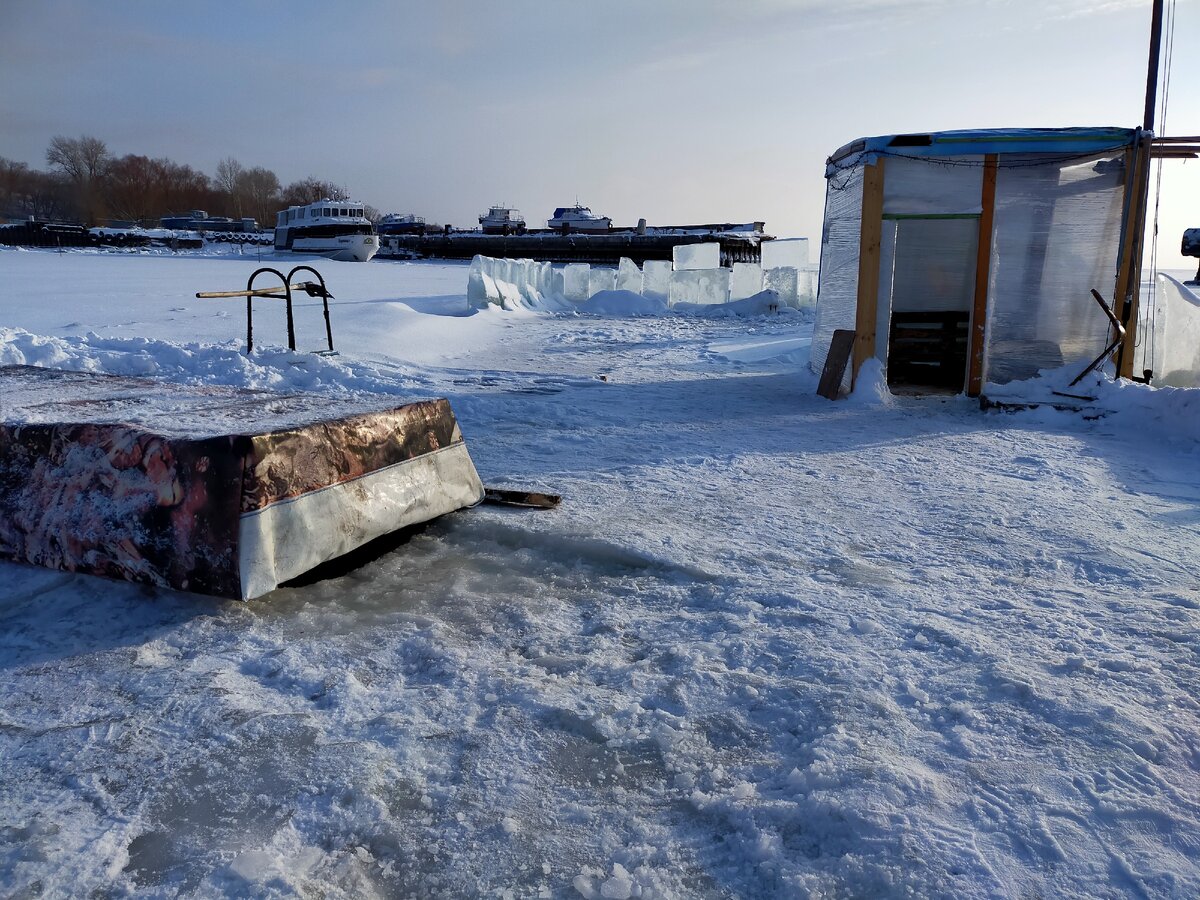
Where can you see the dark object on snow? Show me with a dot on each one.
(36, 233)
(835, 364)
(1089, 414)
(1191, 245)
(313, 290)
(526, 499)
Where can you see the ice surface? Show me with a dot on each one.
(746, 280)
(629, 276)
(782, 280)
(791, 252)
(656, 279)
(700, 286)
(577, 282)
(974, 676)
(706, 255)
(601, 279)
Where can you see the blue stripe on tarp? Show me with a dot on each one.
(1064, 141)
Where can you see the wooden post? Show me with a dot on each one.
(983, 271)
(869, 239)
(1129, 271)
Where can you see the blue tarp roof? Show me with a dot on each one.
(1065, 141)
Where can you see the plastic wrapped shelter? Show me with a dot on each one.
(965, 257)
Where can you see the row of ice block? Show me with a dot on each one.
(511, 283)
(706, 286)
(521, 282)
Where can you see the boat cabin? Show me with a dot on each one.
(323, 211)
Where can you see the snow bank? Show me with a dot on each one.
(271, 368)
(761, 304)
(871, 387)
(1168, 413)
(622, 303)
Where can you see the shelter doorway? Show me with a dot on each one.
(931, 294)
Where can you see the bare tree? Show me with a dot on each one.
(85, 161)
(141, 189)
(27, 192)
(80, 159)
(310, 190)
(229, 175)
(14, 182)
(181, 186)
(133, 188)
(259, 190)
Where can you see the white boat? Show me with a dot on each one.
(336, 229)
(578, 218)
(502, 220)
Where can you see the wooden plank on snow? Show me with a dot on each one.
(835, 363)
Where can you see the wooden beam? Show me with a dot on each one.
(983, 271)
(1133, 162)
(257, 292)
(835, 364)
(1129, 270)
(869, 240)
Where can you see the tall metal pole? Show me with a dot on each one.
(1130, 298)
(1156, 20)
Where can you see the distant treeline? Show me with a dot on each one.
(85, 183)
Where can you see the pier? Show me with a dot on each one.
(739, 243)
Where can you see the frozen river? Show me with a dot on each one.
(768, 646)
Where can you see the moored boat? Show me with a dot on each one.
(502, 220)
(336, 229)
(578, 218)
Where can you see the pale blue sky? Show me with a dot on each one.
(675, 111)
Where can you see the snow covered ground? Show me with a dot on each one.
(768, 646)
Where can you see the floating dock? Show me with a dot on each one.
(214, 490)
(739, 243)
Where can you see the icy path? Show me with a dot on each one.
(770, 646)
